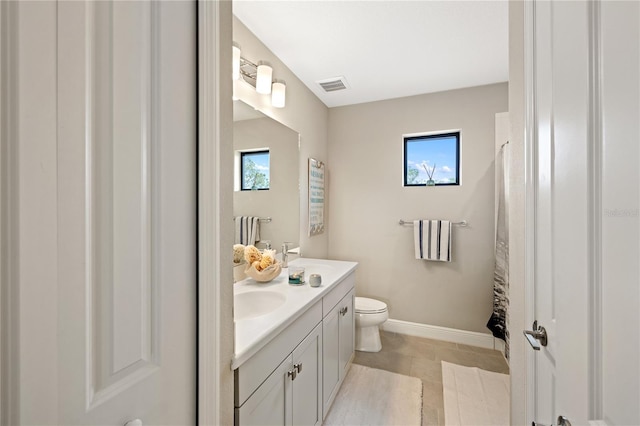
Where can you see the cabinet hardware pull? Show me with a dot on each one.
(344, 310)
(298, 367)
(292, 374)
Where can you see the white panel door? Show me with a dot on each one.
(127, 212)
(546, 286)
(586, 187)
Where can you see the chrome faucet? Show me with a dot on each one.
(285, 255)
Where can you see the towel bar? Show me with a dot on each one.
(410, 222)
(264, 219)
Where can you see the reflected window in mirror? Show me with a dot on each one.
(254, 170)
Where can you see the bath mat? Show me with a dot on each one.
(369, 396)
(474, 397)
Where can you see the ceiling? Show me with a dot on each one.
(384, 49)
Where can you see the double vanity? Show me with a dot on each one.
(293, 344)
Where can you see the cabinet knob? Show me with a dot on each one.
(298, 367)
(292, 373)
(344, 310)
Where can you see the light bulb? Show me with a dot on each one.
(236, 61)
(278, 94)
(263, 79)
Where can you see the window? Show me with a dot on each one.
(254, 170)
(432, 160)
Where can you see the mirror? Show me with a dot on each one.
(254, 131)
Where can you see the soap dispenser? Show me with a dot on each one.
(285, 255)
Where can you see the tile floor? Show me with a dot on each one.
(419, 357)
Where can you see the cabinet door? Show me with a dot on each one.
(330, 357)
(271, 402)
(346, 331)
(307, 385)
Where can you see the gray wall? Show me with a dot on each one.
(303, 112)
(367, 198)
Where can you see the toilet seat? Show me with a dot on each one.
(365, 305)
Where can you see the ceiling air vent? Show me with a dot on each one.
(333, 84)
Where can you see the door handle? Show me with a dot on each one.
(536, 337)
(562, 421)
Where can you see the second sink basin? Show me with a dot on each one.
(256, 303)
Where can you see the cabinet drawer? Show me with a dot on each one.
(256, 370)
(335, 295)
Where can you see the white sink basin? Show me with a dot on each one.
(256, 303)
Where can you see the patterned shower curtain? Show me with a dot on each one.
(499, 321)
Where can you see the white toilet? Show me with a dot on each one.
(370, 313)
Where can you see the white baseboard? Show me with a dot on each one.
(483, 340)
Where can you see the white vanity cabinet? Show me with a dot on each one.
(291, 395)
(293, 377)
(338, 346)
(281, 384)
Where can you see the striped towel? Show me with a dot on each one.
(432, 239)
(247, 230)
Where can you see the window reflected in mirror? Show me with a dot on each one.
(254, 170)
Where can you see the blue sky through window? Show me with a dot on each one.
(261, 161)
(255, 169)
(430, 151)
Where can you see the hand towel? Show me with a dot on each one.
(247, 230)
(432, 239)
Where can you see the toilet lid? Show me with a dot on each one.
(370, 306)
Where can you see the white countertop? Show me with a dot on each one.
(252, 334)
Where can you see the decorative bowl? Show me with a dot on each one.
(266, 275)
(238, 272)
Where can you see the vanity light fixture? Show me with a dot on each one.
(278, 93)
(259, 76)
(263, 78)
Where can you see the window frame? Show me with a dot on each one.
(252, 153)
(426, 136)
